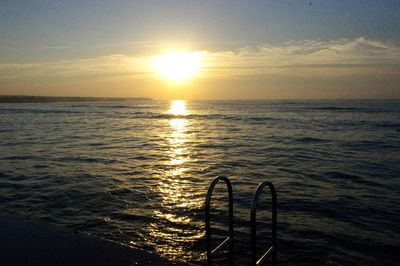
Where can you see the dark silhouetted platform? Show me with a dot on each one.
(37, 243)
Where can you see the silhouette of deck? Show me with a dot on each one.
(37, 243)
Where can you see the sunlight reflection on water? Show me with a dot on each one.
(175, 190)
(178, 107)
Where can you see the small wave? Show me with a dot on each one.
(123, 106)
(367, 145)
(212, 146)
(259, 120)
(340, 175)
(2, 174)
(335, 177)
(166, 116)
(39, 166)
(142, 158)
(39, 111)
(118, 106)
(311, 140)
(188, 116)
(388, 125)
(18, 157)
(334, 108)
(13, 185)
(133, 215)
(87, 159)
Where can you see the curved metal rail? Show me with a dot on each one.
(229, 240)
(253, 230)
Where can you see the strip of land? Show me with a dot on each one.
(49, 99)
(30, 243)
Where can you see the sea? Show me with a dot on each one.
(137, 173)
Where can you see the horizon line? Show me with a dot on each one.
(219, 99)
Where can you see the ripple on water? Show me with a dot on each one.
(137, 173)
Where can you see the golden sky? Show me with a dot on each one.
(263, 50)
(358, 68)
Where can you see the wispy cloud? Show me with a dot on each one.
(55, 47)
(309, 55)
(110, 65)
(361, 56)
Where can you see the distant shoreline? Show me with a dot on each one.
(51, 99)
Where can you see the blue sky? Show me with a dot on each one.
(47, 32)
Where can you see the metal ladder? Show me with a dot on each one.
(271, 250)
(229, 240)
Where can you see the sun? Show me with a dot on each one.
(177, 66)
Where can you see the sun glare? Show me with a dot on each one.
(178, 107)
(178, 66)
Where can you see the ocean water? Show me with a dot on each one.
(137, 173)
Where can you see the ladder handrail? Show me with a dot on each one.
(272, 250)
(229, 239)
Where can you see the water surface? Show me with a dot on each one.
(137, 173)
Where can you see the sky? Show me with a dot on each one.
(250, 49)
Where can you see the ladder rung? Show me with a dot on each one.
(220, 246)
(266, 255)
